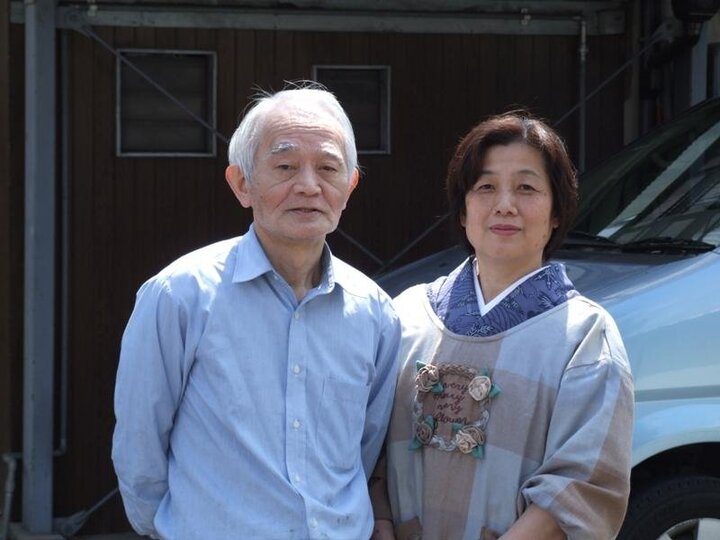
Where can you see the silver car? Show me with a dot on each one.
(646, 246)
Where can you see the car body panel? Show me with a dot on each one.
(672, 423)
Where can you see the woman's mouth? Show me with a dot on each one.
(504, 230)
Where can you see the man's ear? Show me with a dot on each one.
(239, 185)
(354, 179)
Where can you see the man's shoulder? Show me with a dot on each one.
(356, 282)
(204, 266)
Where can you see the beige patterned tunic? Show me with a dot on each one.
(482, 427)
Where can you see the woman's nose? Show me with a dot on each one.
(505, 202)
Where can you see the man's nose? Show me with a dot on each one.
(307, 181)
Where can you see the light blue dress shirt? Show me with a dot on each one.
(243, 413)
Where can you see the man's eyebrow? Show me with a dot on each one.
(282, 147)
(331, 154)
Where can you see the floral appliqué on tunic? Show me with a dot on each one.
(451, 408)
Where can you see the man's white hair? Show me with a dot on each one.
(305, 96)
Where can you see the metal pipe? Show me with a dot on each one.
(88, 31)
(583, 50)
(64, 239)
(409, 246)
(39, 269)
(610, 78)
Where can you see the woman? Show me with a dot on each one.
(513, 411)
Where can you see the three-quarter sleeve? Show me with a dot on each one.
(584, 480)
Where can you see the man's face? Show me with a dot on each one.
(300, 183)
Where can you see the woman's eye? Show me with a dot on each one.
(484, 187)
(526, 187)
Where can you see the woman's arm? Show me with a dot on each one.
(534, 524)
(384, 528)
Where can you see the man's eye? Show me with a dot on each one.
(283, 167)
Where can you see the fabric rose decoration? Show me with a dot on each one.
(428, 378)
(424, 430)
(481, 387)
(469, 440)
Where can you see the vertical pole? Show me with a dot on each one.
(631, 106)
(583, 50)
(699, 68)
(39, 328)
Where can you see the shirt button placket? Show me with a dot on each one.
(296, 439)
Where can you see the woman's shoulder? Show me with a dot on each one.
(411, 303)
(597, 326)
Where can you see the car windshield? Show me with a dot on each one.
(663, 190)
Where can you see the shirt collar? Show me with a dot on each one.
(252, 262)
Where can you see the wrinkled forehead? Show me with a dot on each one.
(285, 125)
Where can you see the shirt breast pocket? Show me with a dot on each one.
(341, 423)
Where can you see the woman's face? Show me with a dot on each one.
(508, 211)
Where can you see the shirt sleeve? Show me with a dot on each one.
(149, 384)
(584, 480)
(382, 392)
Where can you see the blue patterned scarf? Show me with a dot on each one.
(454, 301)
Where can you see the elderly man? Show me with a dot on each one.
(256, 374)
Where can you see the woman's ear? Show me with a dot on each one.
(239, 185)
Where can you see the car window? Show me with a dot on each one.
(664, 187)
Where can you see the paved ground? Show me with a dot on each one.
(120, 536)
(17, 533)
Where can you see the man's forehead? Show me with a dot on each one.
(293, 119)
(287, 134)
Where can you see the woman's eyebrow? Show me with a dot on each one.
(531, 172)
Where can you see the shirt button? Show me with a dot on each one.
(296, 369)
(297, 315)
(296, 477)
(313, 523)
(296, 423)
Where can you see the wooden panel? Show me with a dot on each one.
(6, 260)
(11, 241)
(83, 474)
(605, 110)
